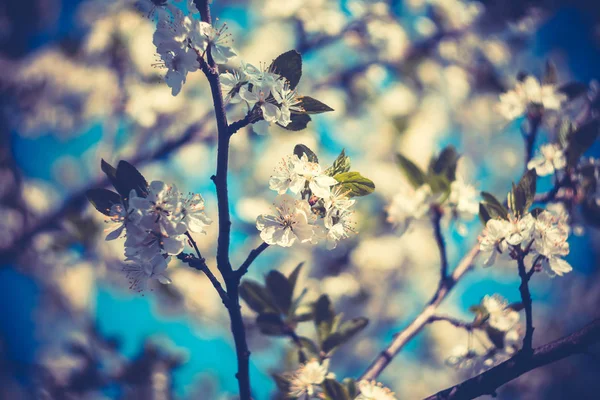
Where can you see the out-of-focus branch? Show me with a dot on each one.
(424, 317)
(453, 321)
(490, 380)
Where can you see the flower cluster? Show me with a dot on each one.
(551, 159)
(544, 235)
(529, 96)
(371, 390)
(182, 42)
(154, 219)
(262, 88)
(320, 208)
(305, 382)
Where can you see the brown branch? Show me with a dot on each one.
(527, 303)
(490, 380)
(417, 324)
(439, 238)
(241, 271)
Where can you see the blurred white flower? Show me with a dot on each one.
(463, 199)
(305, 382)
(550, 159)
(291, 222)
(501, 317)
(520, 230)
(551, 234)
(407, 206)
(371, 390)
(491, 241)
(529, 93)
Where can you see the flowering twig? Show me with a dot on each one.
(417, 324)
(237, 125)
(241, 271)
(439, 238)
(526, 300)
(490, 380)
(454, 321)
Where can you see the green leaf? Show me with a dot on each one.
(313, 106)
(335, 390)
(103, 199)
(493, 206)
(271, 324)
(351, 388)
(439, 184)
(111, 173)
(446, 163)
(309, 345)
(414, 174)
(550, 74)
(522, 195)
(130, 178)
(355, 184)
(257, 297)
(484, 214)
(344, 333)
(323, 317)
(288, 65)
(301, 149)
(293, 277)
(581, 140)
(298, 122)
(340, 165)
(573, 89)
(280, 290)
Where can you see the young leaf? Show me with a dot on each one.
(439, 184)
(110, 171)
(309, 345)
(103, 199)
(313, 106)
(573, 89)
(298, 122)
(344, 333)
(340, 165)
(351, 388)
(301, 149)
(522, 195)
(324, 316)
(293, 277)
(335, 390)
(271, 324)
(355, 184)
(446, 163)
(414, 174)
(484, 214)
(257, 297)
(280, 290)
(493, 206)
(288, 65)
(581, 140)
(129, 178)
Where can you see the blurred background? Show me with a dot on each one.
(78, 85)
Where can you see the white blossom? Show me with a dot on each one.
(230, 84)
(156, 211)
(491, 241)
(528, 93)
(551, 234)
(305, 382)
(206, 36)
(140, 270)
(407, 206)
(293, 221)
(260, 95)
(520, 230)
(501, 317)
(339, 226)
(552, 158)
(178, 61)
(289, 102)
(311, 173)
(193, 216)
(463, 200)
(371, 390)
(118, 218)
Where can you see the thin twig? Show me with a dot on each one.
(199, 263)
(241, 271)
(454, 321)
(492, 379)
(417, 324)
(439, 238)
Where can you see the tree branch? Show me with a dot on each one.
(238, 330)
(199, 263)
(454, 321)
(490, 380)
(527, 303)
(417, 324)
(241, 271)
